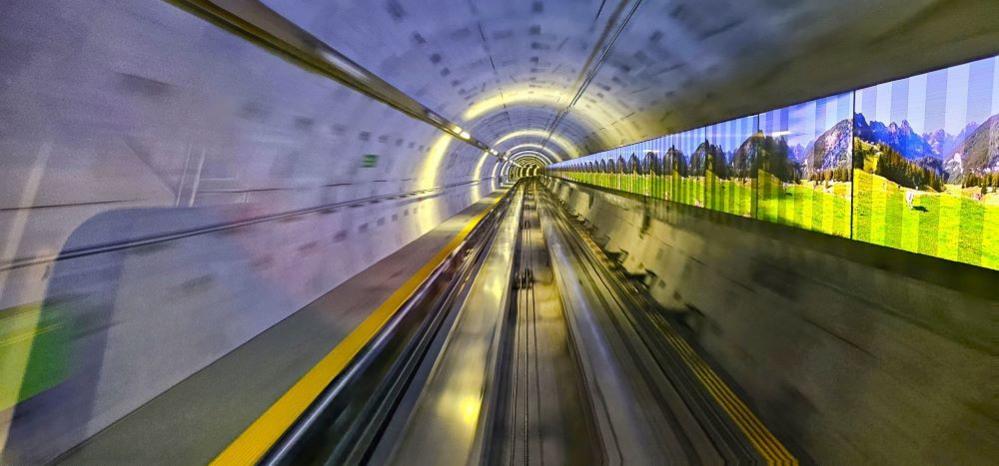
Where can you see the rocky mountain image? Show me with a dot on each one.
(939, 141)
(704, 153)
(898, 136)
(674, 160)
(977, 153)
(949, 149)
(932, 163)
(949, 155)
(831, 150)
(798, 153)
(974, 150)
(743, 160)
(766, 153)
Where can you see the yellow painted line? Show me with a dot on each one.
(765, 442)
(264, 432)
(28, 335)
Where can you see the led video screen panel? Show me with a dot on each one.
(673, 166)
(647, 161)
(803, 161)
(661, 188)
(729, 177)
(911, 164)
(632, 168)
(926, 163)
(687, 167)
(619, 161)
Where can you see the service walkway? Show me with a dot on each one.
(195, 420)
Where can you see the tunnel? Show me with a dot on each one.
(499, 232)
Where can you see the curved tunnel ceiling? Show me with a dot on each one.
(575, 77)
(530, 158)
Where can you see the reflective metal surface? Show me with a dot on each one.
(446, 425)
(180, 203)
(544, 413)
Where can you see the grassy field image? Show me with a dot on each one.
(733, 196)
(952, 224)
(950, 220)
(911, 164)
(926, 176)
(686, 190)
(707, 170)
(819, 206)
(804, 177)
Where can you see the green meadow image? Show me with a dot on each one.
(926, 164)
(712, 160)
(804, 154)
(911, 164)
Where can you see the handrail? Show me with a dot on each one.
(256, 22)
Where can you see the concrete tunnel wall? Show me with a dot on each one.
(512, 66)
(141, 114)
(128, 138)
(852, 360)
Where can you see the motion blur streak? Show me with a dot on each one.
(705, 232)
(188, 172)
(477, 174)
(431, 166)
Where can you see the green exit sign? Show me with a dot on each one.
(369, 160)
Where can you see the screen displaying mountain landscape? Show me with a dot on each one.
(926, 163)
(729, 171)
(804, 160)
(911, 164)
(687, 169)
(675, 168)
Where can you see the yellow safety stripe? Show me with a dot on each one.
(265, 431)
(769, 447)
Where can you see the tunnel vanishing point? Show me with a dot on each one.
(520, 232)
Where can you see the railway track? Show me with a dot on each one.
(538, 350)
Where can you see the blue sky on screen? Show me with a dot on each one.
(949, 98)
(731, 134)
(803, 123)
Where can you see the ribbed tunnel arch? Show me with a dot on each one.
(534, 147)
(526, 167)
(175, 166)
(583, 76)
(526, 158)
(533, 155)
(554, 143)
